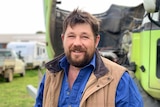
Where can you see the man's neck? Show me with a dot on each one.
(72, 75)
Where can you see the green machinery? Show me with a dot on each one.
(145, 51)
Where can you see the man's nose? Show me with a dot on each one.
(77, 41)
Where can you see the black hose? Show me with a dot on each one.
(150, 18)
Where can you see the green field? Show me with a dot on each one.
(14, 94)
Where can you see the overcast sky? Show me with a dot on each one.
(26, 16)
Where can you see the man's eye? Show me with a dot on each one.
(85, 37)
(71, 36)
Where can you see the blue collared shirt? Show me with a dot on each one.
(127, 93)
(71, 97)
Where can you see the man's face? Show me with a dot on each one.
(79, 44)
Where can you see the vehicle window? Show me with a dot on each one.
(158, 59)
(5, 54)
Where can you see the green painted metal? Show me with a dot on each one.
(144, 54)
(135, 52)
(48, 5)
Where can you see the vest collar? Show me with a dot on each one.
(100, 70)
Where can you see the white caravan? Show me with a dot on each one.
(33, 53)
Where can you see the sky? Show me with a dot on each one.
(27, 16)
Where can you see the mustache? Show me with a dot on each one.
(77, 48)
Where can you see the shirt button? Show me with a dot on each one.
(68, 93)
(69, 106)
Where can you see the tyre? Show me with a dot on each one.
(23, 73)
(9, 75)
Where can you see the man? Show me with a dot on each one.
(81, 77)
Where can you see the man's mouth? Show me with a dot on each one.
(77, 51)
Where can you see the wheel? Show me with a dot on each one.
(9, 75)
(23, 73)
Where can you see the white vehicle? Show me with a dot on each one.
(10, 64)
(33, 53)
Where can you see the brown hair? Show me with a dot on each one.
(80, 17)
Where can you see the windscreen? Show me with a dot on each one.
(5, 53)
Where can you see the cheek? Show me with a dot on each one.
(66, 44)
(91, 46)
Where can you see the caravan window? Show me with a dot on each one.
(38, 51)
(43, 50)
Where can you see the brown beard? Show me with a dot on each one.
(81, 63)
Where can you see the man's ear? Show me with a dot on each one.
(97, 40)
(62, 37)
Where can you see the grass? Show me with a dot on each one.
(14, 94)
